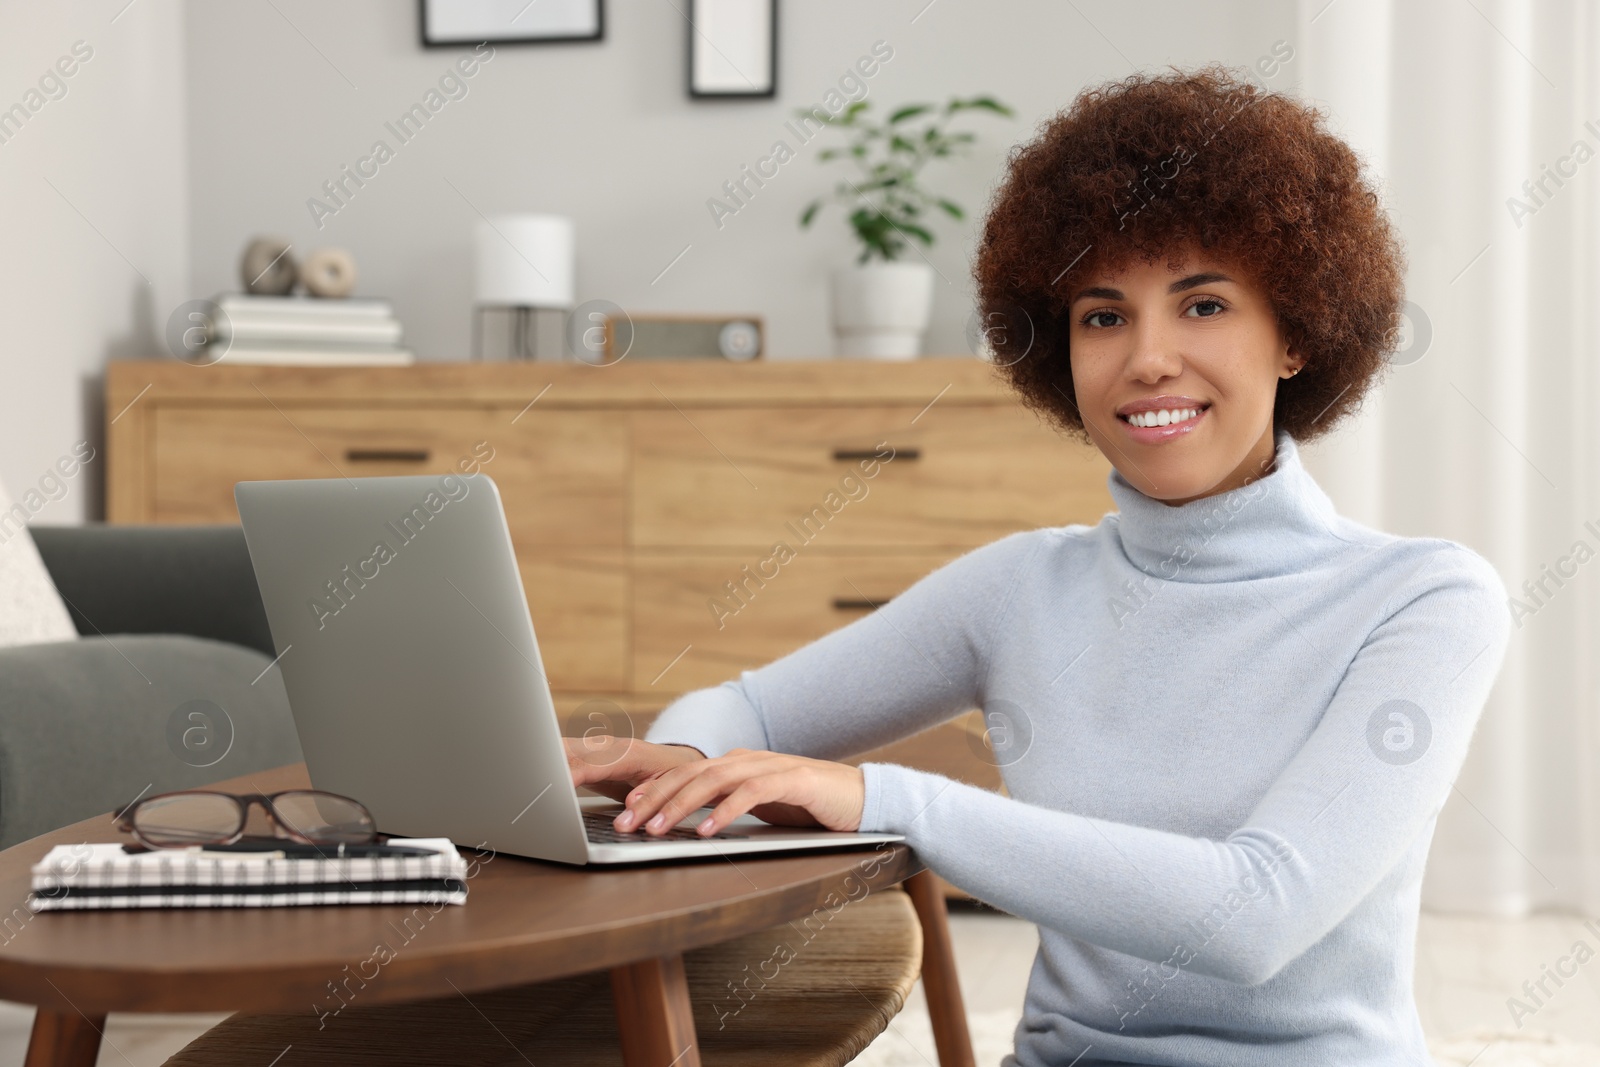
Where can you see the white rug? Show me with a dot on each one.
(908, 1043)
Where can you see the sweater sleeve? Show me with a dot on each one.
(916, 661)
(1353, 800)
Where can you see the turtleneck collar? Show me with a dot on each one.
(1278, 524)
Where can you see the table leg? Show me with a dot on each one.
(62, 1039)
(654, 1016)
(946, 1010)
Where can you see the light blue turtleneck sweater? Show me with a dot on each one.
(1226, 729)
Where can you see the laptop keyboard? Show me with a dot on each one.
(600, 829)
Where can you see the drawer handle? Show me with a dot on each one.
(845, 603)
(387, 455)
(844, 455)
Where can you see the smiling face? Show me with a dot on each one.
(1175, 374)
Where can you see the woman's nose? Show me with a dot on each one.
(1153, 354)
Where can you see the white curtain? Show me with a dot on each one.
(1489, 438)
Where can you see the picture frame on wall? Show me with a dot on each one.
(733, 49)
(454, 23)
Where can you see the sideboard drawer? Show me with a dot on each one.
(561, 474)
(690, 631)
(856, 477)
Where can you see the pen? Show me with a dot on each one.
(299, 850)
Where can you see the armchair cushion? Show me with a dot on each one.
(89, 724)
(194, 580)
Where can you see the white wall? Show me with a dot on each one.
(93, 222)
(606, 133)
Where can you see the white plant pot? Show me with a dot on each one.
(880, 310)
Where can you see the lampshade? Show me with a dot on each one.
(524, 261)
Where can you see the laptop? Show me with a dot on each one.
(415, 680)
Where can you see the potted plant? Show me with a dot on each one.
(881, 303)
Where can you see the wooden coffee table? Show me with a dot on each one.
(526, 921)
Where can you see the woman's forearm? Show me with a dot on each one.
(918, 660)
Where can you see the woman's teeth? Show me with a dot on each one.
(1163, 417)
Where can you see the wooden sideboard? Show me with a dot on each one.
(642, 495)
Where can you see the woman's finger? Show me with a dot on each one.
(751, 793)
(612, 765)
(661, 803)
(645, 800)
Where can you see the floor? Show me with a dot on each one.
(1467, 968)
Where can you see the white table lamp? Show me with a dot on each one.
(522, 263)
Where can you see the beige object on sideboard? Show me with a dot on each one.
(643, 495)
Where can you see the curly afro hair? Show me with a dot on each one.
(1153, 165)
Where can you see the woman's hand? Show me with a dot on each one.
(614, 765)
(776, 788)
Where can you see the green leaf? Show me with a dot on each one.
(909, 111)
(978, 103)
(952, 209)
(875, 233)
(818, 114)
(848, 115)
(830, 153)
(866, 219)
(810, 213)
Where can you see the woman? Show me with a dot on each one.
(1233, 715)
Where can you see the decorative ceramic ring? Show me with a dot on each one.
(329, 272)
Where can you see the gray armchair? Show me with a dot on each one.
(164, 689)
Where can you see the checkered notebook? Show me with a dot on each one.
(92, 876)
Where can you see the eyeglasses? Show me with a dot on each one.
(206, 817)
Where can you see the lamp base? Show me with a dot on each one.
(510, 333)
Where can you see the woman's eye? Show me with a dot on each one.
(1106, 319)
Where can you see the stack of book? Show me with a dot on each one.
(84, 876)
(306, 331)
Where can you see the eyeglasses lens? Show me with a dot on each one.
(325, 817)
(187, 819)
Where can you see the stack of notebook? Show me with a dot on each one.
(74, 877)
(306, 331)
